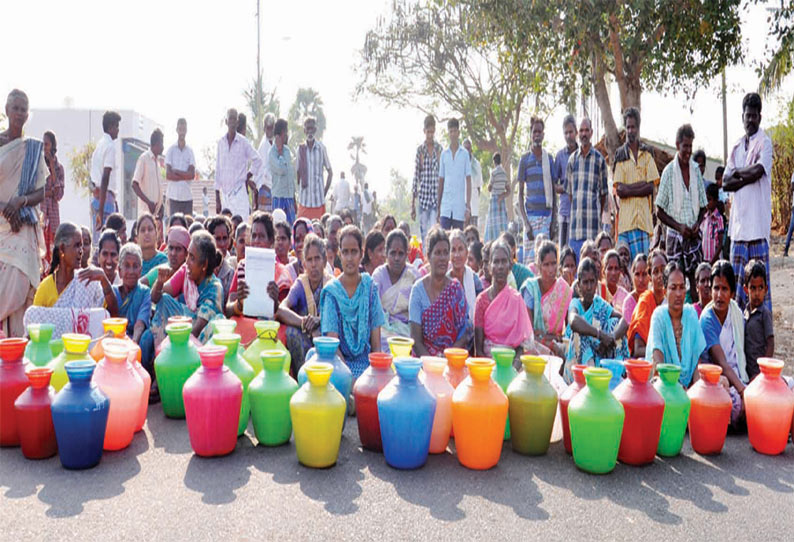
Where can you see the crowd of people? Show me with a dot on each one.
(563, 281)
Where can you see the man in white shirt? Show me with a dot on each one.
(476, 184)
(147, 183)
(367, 219)
(341, 194)
(180, 169)
(232, 173)
(103, 184)
(266, 178)
(748, 177)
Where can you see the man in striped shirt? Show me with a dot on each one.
(312, 159)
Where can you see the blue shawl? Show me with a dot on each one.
(27, 183)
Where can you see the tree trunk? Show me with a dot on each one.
(507, 165)
(604, 105)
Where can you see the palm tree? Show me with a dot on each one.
(358, 170)
(782, 60)
(259, 102)
(308, 103)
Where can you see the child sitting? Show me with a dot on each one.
(759, 335)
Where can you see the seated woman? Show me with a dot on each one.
(437, 307)
(703, 284)
(374, 252)
(568, 266)
(108, 255)
(614, 293)
(282, 242)
(192, 291)
(639, 276)
(394, 281)
(518, 272)
(146, 237)
(475, 258)
(625, 265)
(458, 255)
(547, 298)
(485, 270)
(500, 318)
(589, 250)
(176, 250)
(722, 322)
(86, 247)
(675, 335)
(593, 323)
(300, 229)
(73, 299)
(220, 227)
(350, 308)
(299, 311)
(135, 303)
(603, 244)
(640, 324)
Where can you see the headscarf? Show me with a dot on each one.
(179, 236)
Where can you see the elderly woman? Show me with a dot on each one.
(193, 290)
(374, 252)
(176, 250)
(640, 324)
(299, 311)
(350, 308)
(146, 237)
(437, 307)
(135, 302)
(675, 335)
(594, 326)
(519, 272)
(220, 227)
(73, 299)
(625, 264)
(547, 298)
(458, 255)
(394, 281)
(614, 293)
(23, 175)
(639, 275)
(500, 318)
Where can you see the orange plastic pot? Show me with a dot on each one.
(710, 413)
(769, 405)
(118, 328)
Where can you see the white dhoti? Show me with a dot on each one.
(237, 201)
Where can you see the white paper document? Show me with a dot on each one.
(260, 270)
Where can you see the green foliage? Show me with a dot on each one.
(782, 135)
(398, 201)
(80, 165)
(308, 103)
(779, 54)
(259, 102)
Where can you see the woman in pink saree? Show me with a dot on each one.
(615, 293)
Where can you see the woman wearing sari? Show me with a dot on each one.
(500, 318)
(614, 293)
(176, 247)
(73, 299)
(23, 175)
(640, 324)
(350, 308)
(458, 255)
(437, 307)
(568, 266)
(300, 229)
(107, 259)
(547, 298)
(374, 252)
(594, 326)
(299, 311)
(192, 291)
(518, 272)
(146, 237)
(639, 275)
(394, 281)
(675, 335)
(135, 303)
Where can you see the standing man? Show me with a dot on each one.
(180, 169)
(586, 184)
(147, 183)
(266, 182)
(454, 182)
(367, 219)
(103, 183)
(560, 166)
(748, 176)
(341, 194)
(279, 162)
(232, 174)
(425, 183)
(536, 179)
(681, 206)
(312, 159)
(476, 184)
(635, 177)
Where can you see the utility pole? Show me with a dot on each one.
(258, 93)
(724, 121)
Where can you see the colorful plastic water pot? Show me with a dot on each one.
(400, 347)
(325, 351)
(479, 412)
(504, 373)
(266, 339)
(269, 393)
(769, 405)
(80, 415)
(176, 320)
(617, 368)
(38, 351)
(117, 327)
(212, 396)
(710, 412)
(318, 411)
(75, 348)
(442, 390)
(533, 407)
(365, 391)
(177, 361)
(644, 410)
(34, 416)
(456, 370)
(118, 380)
(570, 392)
(13, 381)
(234, 361)
(406, 410)
(676, 410)
(553, 374)
(596, 423)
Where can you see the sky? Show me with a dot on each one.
(179, 58)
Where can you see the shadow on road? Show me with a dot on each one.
(169, 434)
(217, 478)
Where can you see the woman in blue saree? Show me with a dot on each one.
(135, 303)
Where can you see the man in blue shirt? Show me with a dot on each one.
(454, 182)
(536, 185)
(560, 163)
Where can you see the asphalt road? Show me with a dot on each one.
(157, 488)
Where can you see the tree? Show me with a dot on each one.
(668, 46)
(80, 164)
(259, 102)
(358, 170)
(782, 135)
(308, 103)
(209, 153)
(780, 53)
(398, 201)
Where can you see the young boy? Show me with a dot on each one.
(759, 336)
(713, 226)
